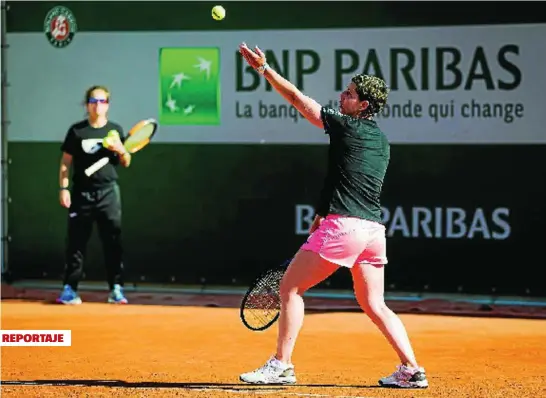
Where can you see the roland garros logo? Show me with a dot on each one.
(60, 26)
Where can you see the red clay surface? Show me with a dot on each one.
(163, 351)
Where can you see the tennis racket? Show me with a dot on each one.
(261, 305)
(138, 137)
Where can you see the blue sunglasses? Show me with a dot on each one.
(97, 101)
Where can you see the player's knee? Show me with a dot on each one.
(288, 288)
(375, 307)
(115, 225)
(111, 227)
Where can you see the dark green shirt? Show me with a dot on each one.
(358, 157)
(84, 143)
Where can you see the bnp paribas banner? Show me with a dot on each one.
(469, 84)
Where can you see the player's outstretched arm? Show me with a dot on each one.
(308, 107)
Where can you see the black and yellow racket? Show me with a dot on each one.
(261, 305)
(138, 137)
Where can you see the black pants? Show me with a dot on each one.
(104, 207)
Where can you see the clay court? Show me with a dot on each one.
(153, 351)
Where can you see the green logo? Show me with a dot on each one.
(189, 81)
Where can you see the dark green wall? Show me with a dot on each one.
(224, 212)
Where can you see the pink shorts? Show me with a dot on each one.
(348, 240)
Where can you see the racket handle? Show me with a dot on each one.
(96, 166)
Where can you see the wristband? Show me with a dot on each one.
(63, 189)
(261, 69)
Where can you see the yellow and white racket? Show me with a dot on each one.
(138, 137)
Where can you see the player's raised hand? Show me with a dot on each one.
(255, 58)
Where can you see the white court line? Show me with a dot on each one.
(279, 392)
(244, 389)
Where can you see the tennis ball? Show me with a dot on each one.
(108, 141)
(218, 13)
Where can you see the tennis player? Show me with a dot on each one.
(93, 198)
(347, 230)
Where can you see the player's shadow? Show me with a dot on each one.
(150, 384)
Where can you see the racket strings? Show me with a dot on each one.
(139, 136)
(263, 302)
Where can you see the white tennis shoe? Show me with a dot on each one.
(405, 377)
(273, 372)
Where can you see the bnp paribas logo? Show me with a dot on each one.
(189, 86)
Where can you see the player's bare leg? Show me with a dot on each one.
(306, 270)
(369, 282)
(369, 285)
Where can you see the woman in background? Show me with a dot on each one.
(95, 197)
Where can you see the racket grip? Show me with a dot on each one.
(96, 166)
